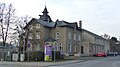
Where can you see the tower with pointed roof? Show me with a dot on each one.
(45, 16)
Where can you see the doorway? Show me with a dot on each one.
(82, 49)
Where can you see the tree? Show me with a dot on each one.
(7, 19)
(106, 36)
(21, 22)
(114, 39)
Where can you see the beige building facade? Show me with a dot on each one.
(93, 43)
(62, 35)
(68, 38)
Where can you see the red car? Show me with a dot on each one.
(103, 54)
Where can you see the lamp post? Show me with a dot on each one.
(54, 51)
(28, 46)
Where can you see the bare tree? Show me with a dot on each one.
(21, 22)
(106, 36)
(6, 20)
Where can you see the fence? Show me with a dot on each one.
(6, 54)
(11, 55)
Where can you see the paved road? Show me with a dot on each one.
(105, 62)
(82, 62)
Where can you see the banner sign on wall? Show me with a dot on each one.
(48, 53)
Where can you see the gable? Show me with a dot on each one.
(32, 21)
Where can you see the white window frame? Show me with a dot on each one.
(37, 26)
(69, 35)
(79, 37)
(37, 35)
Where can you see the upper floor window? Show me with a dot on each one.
(37, 26)
(74, 36)
(69, 35)
(37, 35)
(97, 41)
(79, 38)
(30, 36)
(57, 35)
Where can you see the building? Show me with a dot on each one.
(93, 43)
(62, 35)
(69, 38)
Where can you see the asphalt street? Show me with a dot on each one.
(86, 62)
(104, 62)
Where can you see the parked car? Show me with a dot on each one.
(112, 54)
(102, 54)
(118, 53)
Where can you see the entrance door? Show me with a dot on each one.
(82, 49)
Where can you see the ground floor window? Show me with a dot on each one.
(75, 48)
(69, 48)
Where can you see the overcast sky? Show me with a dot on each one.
(98, 16)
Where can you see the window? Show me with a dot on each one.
(37, 26)
(75, 48)
(57, 35)
(37, 35)
(37, 47)
(79, 38)
(74, 36)
(91, 49)
(69, 35)
(69, 48)
(30, 36)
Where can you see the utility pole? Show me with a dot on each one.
(54, 52)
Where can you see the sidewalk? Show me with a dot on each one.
(40, 64)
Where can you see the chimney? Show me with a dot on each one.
(80, 24)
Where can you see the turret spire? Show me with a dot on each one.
(45, 16)
(45, 10)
